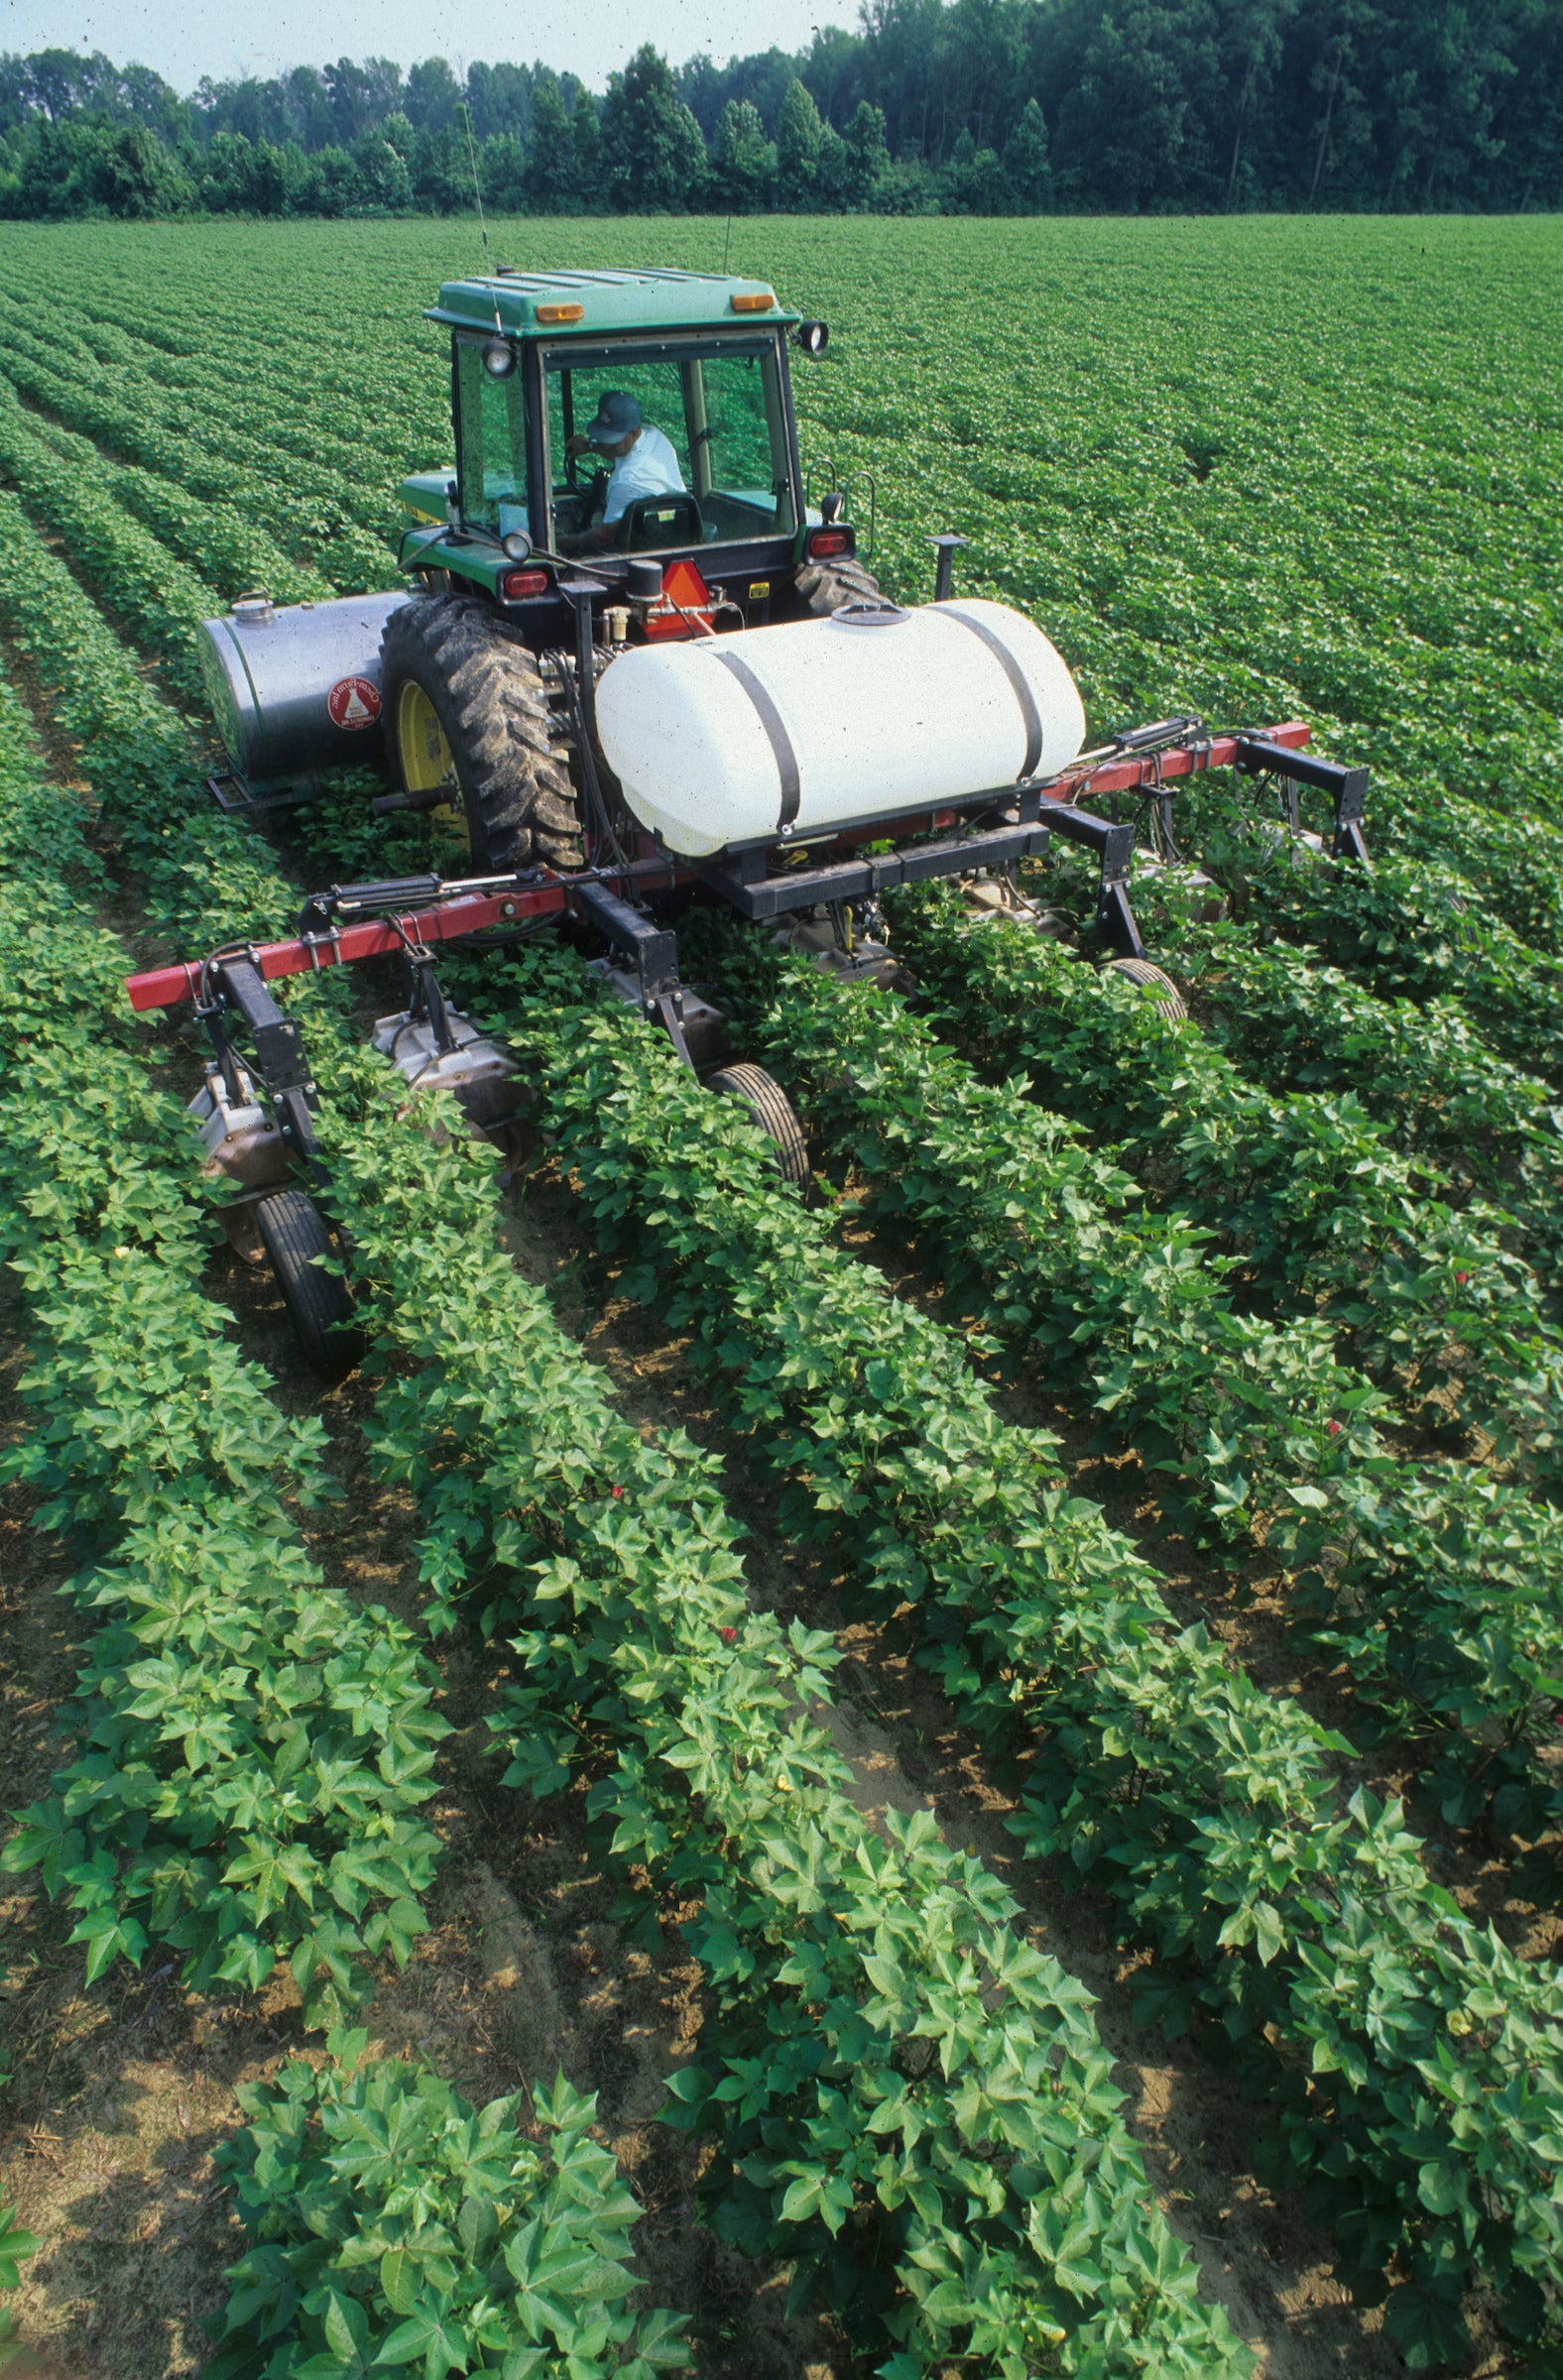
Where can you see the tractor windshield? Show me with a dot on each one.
(689, 445)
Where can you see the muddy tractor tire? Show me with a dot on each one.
(770, 1109)
(465, 705)
(827, 586)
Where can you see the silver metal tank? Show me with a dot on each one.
(297, 690)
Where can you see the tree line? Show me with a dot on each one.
(931, 107)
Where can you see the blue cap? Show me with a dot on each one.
(617, 415)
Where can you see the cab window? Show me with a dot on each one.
(492, 464)
(715, 467)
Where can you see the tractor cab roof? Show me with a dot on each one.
(559, 305)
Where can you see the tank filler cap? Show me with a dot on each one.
(253, 610)
(869, 615)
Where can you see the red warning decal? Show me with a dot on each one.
(354, 702)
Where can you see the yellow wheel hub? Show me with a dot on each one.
(420, 744)
(425, 755)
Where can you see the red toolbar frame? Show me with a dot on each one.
(477, 912)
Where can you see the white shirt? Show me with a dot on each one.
(651, 468)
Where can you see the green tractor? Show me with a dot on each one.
(635, 668)
(457, 688)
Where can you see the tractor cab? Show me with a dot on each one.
(694, 369)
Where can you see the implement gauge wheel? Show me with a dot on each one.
(464, 707)
(1170, 1000)
(770, 1107)
(293, 1233)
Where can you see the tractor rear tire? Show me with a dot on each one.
(461, 695)
(1170, 1001)
(770, 1109)
(827, 586)
(293, 1233)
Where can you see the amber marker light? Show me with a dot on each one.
(753, 301)
(560, 313)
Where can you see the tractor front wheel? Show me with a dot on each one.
(465, 709)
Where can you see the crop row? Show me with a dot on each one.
(1441, 1588)
(301, 512)
(1303, 1186)
(232, 553)
(1431, 2061)
(254, 1745)
(390, 2224)
(211, 410)
(252, 1748)
(1422, 1070)
(897, 2081)
(1416, 925)
(1092, 2259)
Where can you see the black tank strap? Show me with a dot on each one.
(781, 742)
(1011, 671)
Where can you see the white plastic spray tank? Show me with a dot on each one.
(789, 732)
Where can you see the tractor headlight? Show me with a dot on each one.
(499, 359)
(813, 337)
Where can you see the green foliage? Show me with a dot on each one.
(251, 1748)
(893, 2075)
(16, 2247)
(1202, 1807)
(1304, 1189)
(392, 2225)
(1441, 1587)
(1392, 105)
(1424, 1069)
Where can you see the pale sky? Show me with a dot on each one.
(588, 36)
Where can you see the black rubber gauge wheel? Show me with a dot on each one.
(770, 1108)
(1169, 999)
(293, 1233)
(465, 707)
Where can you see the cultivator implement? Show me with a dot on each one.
(255, 1109)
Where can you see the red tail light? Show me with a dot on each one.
(823, 542)
(524, 583)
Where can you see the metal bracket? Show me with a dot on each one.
(1113, 840)
(653, 949)
(1348, 787)
(754, 894)
(236, 797)
(426, 996)
(280, 1058)
(944, 546)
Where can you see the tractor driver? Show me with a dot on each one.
(643, 462)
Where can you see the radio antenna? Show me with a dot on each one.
(726, 244)
(477, 192)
